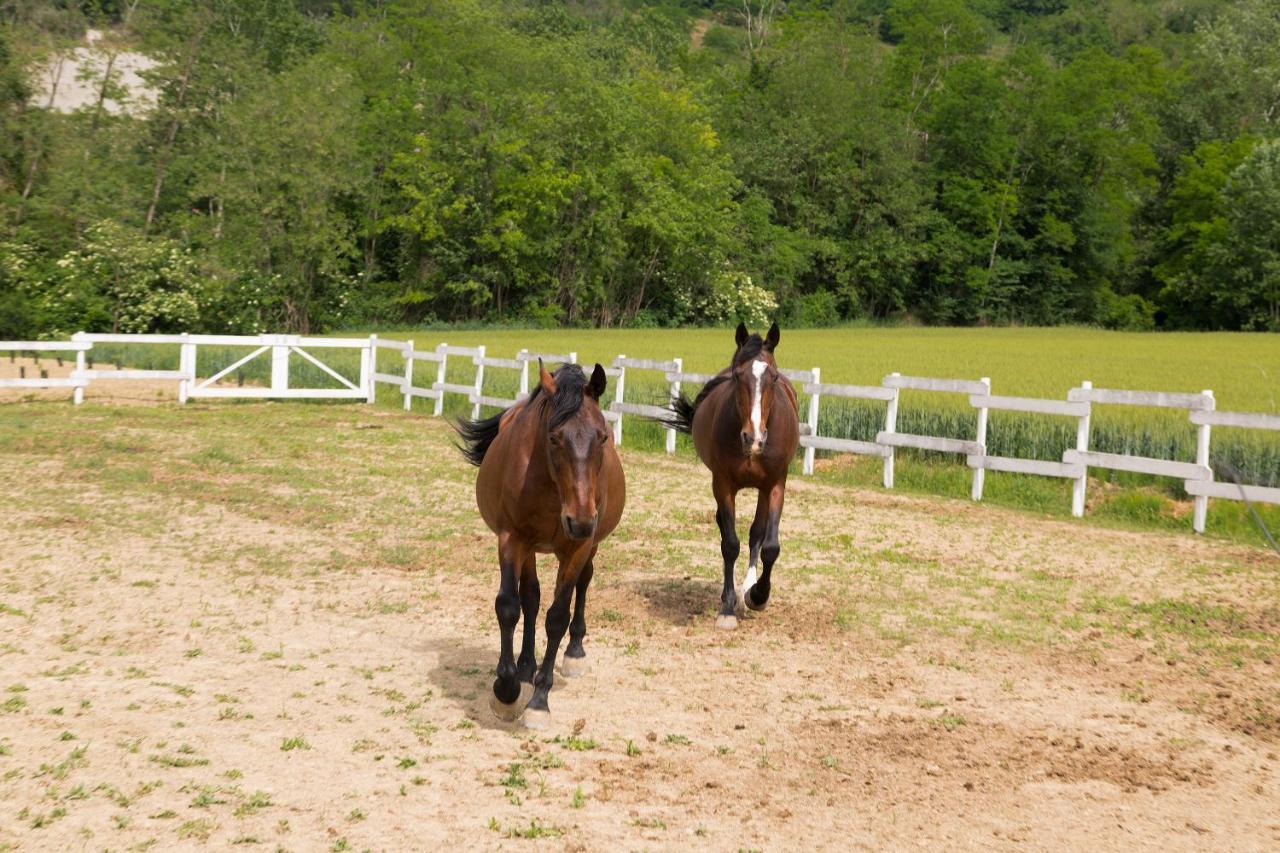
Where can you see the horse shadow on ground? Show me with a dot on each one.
(679, 601)
(463, 676)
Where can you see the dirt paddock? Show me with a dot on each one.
(272, 625)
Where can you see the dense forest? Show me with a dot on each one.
(314, 164)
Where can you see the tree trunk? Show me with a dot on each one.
(35, 159)
(102, 94)
(162, 162)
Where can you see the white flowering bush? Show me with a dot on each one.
(734, 296)
(118, 279)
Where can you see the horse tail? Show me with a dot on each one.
(681, 413)
(476, 436)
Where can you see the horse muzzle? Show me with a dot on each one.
(578, 529)
(753, 444)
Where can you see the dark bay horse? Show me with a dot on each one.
(745, 425)
(550, 482)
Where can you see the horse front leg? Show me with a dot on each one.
(530, 598)
(729, 550)
(758, 595)
(574, 664)
(538, 713)
(506, 704)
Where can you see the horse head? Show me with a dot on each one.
(755, 376)
(576, 434)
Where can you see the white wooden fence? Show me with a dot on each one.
(1197, 476)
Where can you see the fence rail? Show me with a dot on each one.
(1197, 475)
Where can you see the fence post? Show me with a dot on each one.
(479, 363)
(441, 372)
(368, 367)
(1202, 458)
(280, 363)
(619, 390)
(980, 473)
(675, 389)
(890, 425)
(78, 394)
(1082, 446)
(810, 452)
(524, 372)
(187, 365)
(408, 375)
(573, 358)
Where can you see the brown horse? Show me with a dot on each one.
(745, 425)
(550, 482)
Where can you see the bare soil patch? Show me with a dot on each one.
(291, 645)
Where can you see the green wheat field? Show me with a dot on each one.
(1243, 371)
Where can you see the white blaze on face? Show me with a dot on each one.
(757, 370)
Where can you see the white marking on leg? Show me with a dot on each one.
(751, 576)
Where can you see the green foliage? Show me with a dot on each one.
(306, 167)
(119, 280)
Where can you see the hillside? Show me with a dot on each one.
(310, 166)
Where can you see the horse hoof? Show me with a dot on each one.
(751, 601)
(537, 720)
(511, 712)
(726, 622)
(574, 667)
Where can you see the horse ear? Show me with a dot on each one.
(544, 379)
(595, 388)
(771, 340)
(741, 335)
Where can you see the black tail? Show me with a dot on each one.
(476, 436)
(681, 409)
(681, 417)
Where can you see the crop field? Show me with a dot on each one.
(271, 625)
(1243, 370)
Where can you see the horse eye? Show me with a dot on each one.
(554, 438)
(602, 436)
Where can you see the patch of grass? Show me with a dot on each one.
(291, 743)
(253, 804)
(574, 743)
(535, 830)
(515, 777)
(199, 829)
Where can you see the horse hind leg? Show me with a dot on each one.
(758, 528)
(757, 594)
(574, 664)
(530, 599)
(537, 714)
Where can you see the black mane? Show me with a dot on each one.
(683, 409)
(479, 434)
(571, 383)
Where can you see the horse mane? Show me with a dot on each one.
(478, 435)
(682, 409)
(571, 384)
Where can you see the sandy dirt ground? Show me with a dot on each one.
(182, 669)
